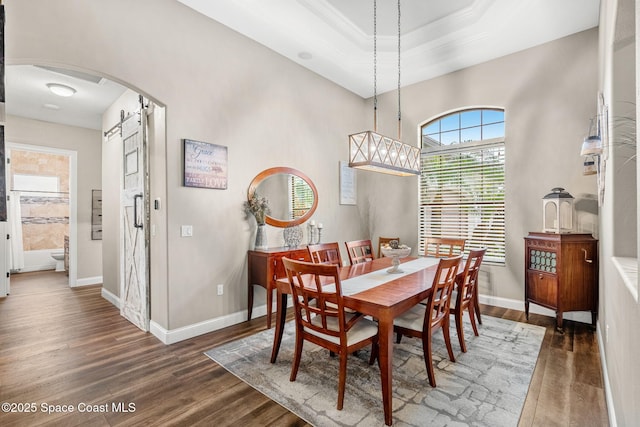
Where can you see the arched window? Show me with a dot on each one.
(462, 182)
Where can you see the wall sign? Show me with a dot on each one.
(348, 192)
(205, 165)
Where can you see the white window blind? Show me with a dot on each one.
(301, 197)
(462, 195)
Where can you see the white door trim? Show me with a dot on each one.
(73, 200)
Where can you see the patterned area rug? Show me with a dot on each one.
(486, 386)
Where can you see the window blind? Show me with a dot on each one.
(301, 197)
(462, 195)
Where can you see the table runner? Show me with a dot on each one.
(375, 278)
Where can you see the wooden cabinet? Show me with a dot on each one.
(265, 267)
(561, 273)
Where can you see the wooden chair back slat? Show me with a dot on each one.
(443, 247)
(359, 251)
(325, 253)
(384, 241)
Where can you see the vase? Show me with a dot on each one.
(261, 237)
(292, 236)
(395, 255)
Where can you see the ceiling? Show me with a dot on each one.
(334, 38)
(27, 95)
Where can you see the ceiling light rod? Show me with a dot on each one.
(399, 113)
(375, 66)
(371, 151)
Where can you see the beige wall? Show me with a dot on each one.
(86, 143)
(548, 94)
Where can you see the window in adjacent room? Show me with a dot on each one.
(462, 183)
(301, 197)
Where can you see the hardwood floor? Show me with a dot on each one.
(62, 346)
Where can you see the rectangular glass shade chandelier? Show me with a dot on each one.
(374, 152)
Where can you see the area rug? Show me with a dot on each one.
(486, 386)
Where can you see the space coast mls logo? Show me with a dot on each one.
(205, 165)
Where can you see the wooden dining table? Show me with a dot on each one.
(383, 302)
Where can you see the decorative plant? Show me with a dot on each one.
(394, 244)
(624, 132)
(258, 207)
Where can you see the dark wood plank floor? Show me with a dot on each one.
(62, 346)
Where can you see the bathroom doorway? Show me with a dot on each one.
(42, 209)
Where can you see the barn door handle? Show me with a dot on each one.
(585, 256)
(136, 224)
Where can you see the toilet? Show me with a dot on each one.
(59, 257)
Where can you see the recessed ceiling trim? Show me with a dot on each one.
(72, 73)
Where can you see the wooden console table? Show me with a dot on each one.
(265, 267)
(561, 273)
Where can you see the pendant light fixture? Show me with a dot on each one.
(372, 151)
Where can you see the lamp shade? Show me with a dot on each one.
(591, 145)
(374, 152)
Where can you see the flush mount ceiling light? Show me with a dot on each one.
(371, 151)
(61, 90)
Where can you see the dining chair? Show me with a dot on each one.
(443, 247)
(325, 253)
(464, 297)
(384, 241)
(422, 321)
(321, 318)
(359, 251)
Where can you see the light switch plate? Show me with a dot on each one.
(186, 231)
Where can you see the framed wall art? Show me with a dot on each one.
(205, 165)
(348, 195)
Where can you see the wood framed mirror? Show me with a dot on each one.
(291, 195)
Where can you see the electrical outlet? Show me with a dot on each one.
(220, 289)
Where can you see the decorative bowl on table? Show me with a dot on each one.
(395, 251)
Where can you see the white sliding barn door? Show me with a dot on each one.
(134, 283)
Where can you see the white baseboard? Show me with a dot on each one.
(576, 316)
(175, 335)
(88, 281)
(113, 299)
(37, 267)
(171, 336)
(605, 379)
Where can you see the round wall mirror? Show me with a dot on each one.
(291, 195)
